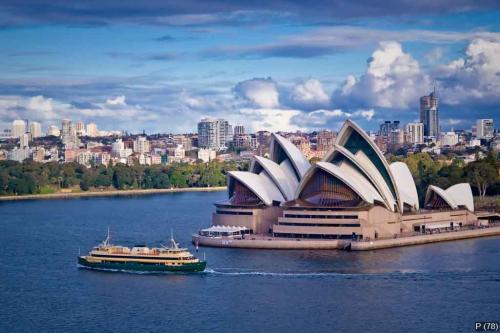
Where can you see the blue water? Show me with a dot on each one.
(430, 288)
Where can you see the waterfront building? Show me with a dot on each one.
(18, 128)
(214, 133)
(35, 129)
(353, 193)
(415, 133)
(429, 114)
(484, 128)
(92, 130)
(254, 197)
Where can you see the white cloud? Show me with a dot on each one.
(262, 93)
(118, 100)
(393, 79)
(475, 78)
(366, 114)
(272, 120)
(309, 93)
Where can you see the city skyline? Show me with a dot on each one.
(272, 67)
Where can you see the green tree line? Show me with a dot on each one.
(31, 177)
(482, 174)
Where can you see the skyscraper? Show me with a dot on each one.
(18, 128)
(429, 114)
(387, 127)
(35, 129)
(214, 133)
(484, 128)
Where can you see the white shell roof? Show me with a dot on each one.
(299, 161)
(260, 184)
(286, 184)
(369, 171)
(405, 184)
(342, 138)
(442, 193)
(366, 192)
(461, 195)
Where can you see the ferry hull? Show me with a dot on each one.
(136, 266)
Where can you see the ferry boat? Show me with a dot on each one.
(142, 258)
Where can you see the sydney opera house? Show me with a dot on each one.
(353, 193)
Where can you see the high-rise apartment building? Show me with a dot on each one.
(18, 128)
(415, 132)
(80, 128)
(69, 137)
(429, 114)
(484, 128)
(141, 145)
(35, 129)
(92, 130)
(239, 130)
(24, 141)
(214, 133)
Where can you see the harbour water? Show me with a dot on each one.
(436, 287)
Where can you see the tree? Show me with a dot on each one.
(482, 174)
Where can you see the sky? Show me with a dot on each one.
(161, 66)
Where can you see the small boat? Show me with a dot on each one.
(142, 258)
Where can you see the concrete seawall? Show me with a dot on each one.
(268, 242)
(424, 239)
(262, 242)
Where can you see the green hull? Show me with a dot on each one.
(135, 266)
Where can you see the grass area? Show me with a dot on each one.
(491, 203)
(47, 190)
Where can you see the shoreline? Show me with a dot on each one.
(269, 242)
(62, 195)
